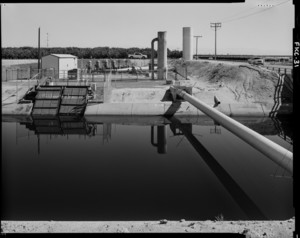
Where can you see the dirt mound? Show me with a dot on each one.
(234, 82)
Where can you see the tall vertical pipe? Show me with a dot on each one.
(162, 56)
(152, 57)
(187, 46)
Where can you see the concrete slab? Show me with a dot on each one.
(148, 109)
(180, 108)
(91, 109)
(17, 109)
(246, 110)
(110, 109)
(224, 108)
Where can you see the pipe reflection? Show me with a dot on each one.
(237, 193)
(161, 139)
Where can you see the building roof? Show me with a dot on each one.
(64, 55)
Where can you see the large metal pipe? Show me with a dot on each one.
(277, 153)
(152, 57)
(187, 46)
(162, 56)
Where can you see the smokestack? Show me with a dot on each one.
(187, 46)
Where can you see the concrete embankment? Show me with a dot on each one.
(177, 108)
(243, 90)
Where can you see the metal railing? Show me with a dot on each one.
(112, 63)
(280, 70)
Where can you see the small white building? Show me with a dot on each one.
(60, 64)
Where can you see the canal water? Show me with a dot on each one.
(129, 169)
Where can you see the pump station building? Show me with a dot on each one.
(60, 64)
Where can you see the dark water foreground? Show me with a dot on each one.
(145, 168)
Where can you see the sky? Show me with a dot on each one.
(261, 27)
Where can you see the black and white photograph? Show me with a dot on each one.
(149, 118)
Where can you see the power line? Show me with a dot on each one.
(263, 4)
(256, 12)
(234, 15)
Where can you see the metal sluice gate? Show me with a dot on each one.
(60, 100)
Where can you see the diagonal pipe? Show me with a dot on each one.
(275, 152)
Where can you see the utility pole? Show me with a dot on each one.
(197, 45)
(47, 40)
(215, 25)
(39, 51)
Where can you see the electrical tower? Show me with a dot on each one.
(215, 25)
(197, 45)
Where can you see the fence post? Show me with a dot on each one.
(285, 71)
(278, 70)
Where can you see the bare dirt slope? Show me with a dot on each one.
(231, 82)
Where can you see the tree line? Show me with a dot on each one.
(86, 53)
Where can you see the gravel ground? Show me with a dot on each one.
(251, 229)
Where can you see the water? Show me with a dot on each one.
(109, 170)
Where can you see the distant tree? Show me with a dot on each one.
(27, 52)
(175, 54)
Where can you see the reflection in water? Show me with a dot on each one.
(242, 199)
(65, 126)
(182, 193)
(161, 139)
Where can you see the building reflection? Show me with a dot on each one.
(66, 126)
